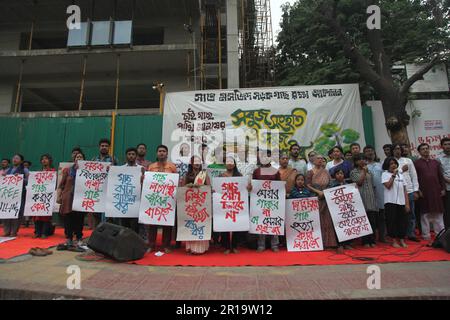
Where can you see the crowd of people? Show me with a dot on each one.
(404, 197)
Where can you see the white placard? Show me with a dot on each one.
(194, 213)
(10, 196)
(347, 212)
(41, 194)
(123, 195)
(267, 207)
(230, 204)
(303, 225)
(158, 200)
(90, 186)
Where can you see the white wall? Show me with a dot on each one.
(6, 98)
(429, 127)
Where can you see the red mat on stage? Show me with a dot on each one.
(24, 242)
(383, 253)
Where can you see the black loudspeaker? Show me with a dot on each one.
(117, 242)
(442, 240)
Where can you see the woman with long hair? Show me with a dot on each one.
(396, 202)
(317, 180)
(73, 220)
(194, 178)
(11, 226)
(230, 239)
(43, 225)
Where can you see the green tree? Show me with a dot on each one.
(328, 41)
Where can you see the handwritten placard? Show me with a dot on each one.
(303, 225)
(267, 207)
(347, 212)
(90, 186)
(10, 196)
(194, 213)
(230, 204)
(40, 197)
(158, 200)
(123, 195)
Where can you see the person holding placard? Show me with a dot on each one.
(230, 240)
(266, 172)
(338, 179)
(73, 220)
(11, 226)
(396, 202)
(131, 156)
(213, 171)
(300, 190)
(194, 178)
(317, 180)
(94, 218)
(162, 165)
(364, 180)
(43, 225)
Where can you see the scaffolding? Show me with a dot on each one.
(256, 51)
(213, 45)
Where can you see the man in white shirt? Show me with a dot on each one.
(295, 161)
(406, 167)
(132, 223)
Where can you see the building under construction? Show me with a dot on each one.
(106, 76)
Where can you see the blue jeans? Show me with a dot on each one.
(410, 232)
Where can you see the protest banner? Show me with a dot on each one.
(10, 196)
(303, 225)
(158, 199)
(230, 204)
(194, 213)
(267, 207)
(90, 186)
(347, 212)
(300, 114)
(123, 193)
(41, 194)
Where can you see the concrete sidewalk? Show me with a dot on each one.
(28, 277)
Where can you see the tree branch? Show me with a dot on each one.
(416, 76)
(381, 60)
(351, 51)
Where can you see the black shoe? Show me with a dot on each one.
(62, 247)
(413, 239)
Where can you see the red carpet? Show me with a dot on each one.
(416, 252)
(24, 242)
(384, 253)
